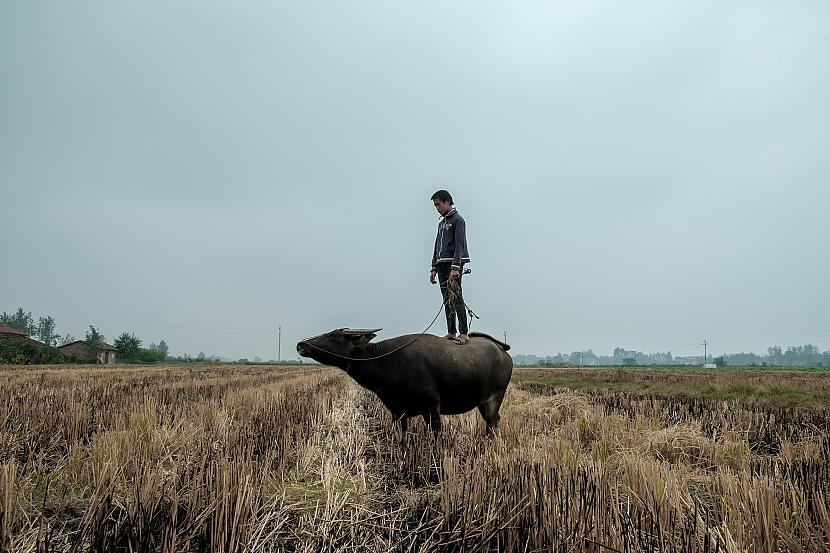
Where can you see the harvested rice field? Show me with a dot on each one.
(265, 458)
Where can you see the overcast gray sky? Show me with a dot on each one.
(636, 174)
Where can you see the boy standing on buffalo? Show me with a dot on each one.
(448, 261)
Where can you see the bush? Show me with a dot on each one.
(20, 351)
(144, 356)
(13, 353)
(148, 355)
(547, 364)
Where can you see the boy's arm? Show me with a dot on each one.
(460, 243)
(434, 255)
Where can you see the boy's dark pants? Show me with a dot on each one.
(458, 309)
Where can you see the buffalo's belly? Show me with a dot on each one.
(451, 392)
(457, 408)
(410, 404)
(459, 395)
(425, 402)
(416, 404)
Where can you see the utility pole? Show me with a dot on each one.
(505, 336)
(705, 343)
(279, 343)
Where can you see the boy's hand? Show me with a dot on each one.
(432, 276)
(454, 273)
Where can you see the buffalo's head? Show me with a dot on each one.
(335, 347)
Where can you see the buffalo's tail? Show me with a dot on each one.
(503, 345)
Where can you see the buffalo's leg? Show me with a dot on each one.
(403, 423)
(433, 420)
(490, 412)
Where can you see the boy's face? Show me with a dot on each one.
(442, 206)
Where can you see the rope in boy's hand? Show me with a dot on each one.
(453, 291)
(453, 294)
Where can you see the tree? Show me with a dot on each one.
(128, 345)
(148, 355)
(23, 352)
(161, 346)
(629, 361)
(584, 357)
(589, 357)
(94, 339)
(67, 339)
(46, 330)
(20, 320)
(774, 355)
(720, 361)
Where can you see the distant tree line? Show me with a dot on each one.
(128, 345)
(45, 330)
(620, 356)
(22, 351)
(129, 349)
(808, 355)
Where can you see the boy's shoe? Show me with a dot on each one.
(461, 339)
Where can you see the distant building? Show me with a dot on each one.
(105, 353)
(7, 331)
(693, 360)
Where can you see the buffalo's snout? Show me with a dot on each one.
(302, 349)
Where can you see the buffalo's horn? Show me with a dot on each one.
(360, 331)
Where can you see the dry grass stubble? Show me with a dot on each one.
(273, 460)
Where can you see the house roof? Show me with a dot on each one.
(103, 347)
(6, 329)
(21, 338)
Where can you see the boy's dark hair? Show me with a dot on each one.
(443, 196)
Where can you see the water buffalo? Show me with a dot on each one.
(420, 375)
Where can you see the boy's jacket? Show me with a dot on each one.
(451, 242)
